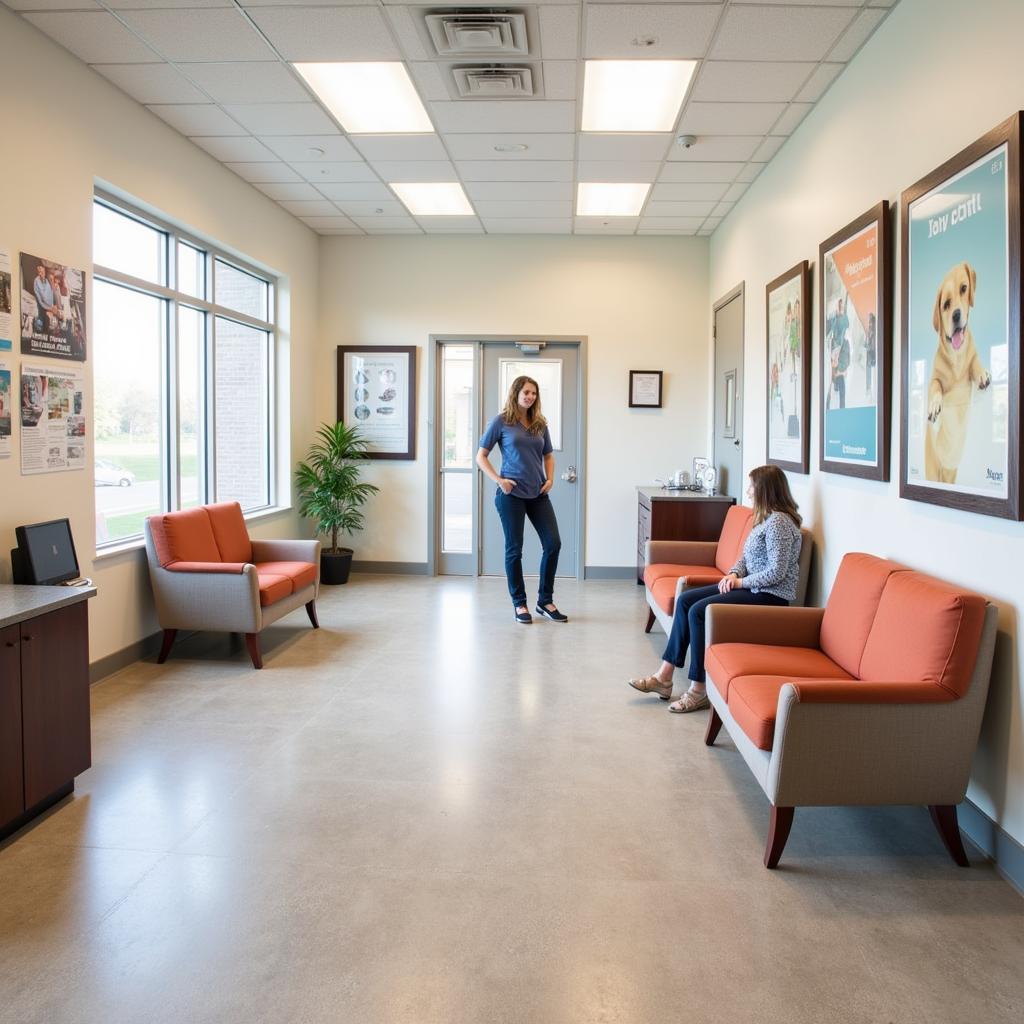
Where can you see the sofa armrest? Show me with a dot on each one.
(208, 600)
(287, 551)
(680, 552)
(859, 691)
(232, 568)
(761, 624)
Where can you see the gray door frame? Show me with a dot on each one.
(434, 442)
(738, 292)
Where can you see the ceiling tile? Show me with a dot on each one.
(151, 83)
(95, 36)
(327, 33)
(709, 226)
(730, 118)
(199, 34)
(362, 208)
(239, 149)
(686, 191)
(717, 148)
(560, 79)
(366, 191)
(721, 209)
(388, 225)
(51, 5)
(735, 191)
(504, 116)
(750, 81)
(677, 232)
(605, 225)
(824, 75)
(539, 147)
(293, 190)
(671, 223)
(430, 79)
(332, 225)
(310, 208)
(513, 170)
(679, 30)
(197, 119)
(529, 210)
(282, 118)
(532, 226)
(416, 170)
(532, 191)
(623, 147)
(855, 36)
(618, 170)
(400, 147)
(451, 225)
(794, 114)
(247, 82)
(263, 172)
(405, 29)
(701, 171)
(678, 209)
(314, 148)
(769, 147)
(320, 172)
(750, 172)
(559, 33)
(786, 33)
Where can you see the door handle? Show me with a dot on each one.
(569, 476)
(736, 443)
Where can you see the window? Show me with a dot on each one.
(183, 382)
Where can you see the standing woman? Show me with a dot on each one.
(527, 473)
(766, 573)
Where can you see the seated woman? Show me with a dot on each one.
(766, 573)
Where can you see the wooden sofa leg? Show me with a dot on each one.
(252, 641)
(944, 817)
(165, 647)
(779, 824)
(311, 612)
(714, 727)
(650, 620)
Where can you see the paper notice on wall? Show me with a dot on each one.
(52, 419)
(6, 406)
(6, 299)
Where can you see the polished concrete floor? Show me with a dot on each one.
(424, 812)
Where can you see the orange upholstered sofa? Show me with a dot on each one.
(207, 574)
(876, 698)
(674, 566)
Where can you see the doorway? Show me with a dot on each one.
(728, 403)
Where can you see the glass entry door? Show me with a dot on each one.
(457, 470)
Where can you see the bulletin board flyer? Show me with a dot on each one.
(52, 419)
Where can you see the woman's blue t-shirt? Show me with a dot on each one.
(522, 454)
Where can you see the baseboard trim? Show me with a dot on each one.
(609, 572)
(995, 842)
(126, 656)
(393, 568)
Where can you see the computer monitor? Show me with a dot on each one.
(47, 553)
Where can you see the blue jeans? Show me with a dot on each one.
(688, 623)
(513, 512)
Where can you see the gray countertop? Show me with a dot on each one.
(655, 493)
(18, 603)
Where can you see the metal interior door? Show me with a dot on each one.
(556, 369)
(728, 428)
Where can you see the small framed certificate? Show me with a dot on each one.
(645, 389)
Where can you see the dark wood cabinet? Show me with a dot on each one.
(677, 515)
(12, 785)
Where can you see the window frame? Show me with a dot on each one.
(169, 383)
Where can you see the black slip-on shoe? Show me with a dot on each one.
(524, 617)
(554, 615)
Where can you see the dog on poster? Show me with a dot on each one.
(955, 368)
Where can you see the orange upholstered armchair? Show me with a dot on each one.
(207, 574)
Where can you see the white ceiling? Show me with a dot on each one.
(218, 71)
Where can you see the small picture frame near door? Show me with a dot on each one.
(645, 389)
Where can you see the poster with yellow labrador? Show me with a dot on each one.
(959, 341)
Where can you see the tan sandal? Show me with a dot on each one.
(652, 684)
(689, 701)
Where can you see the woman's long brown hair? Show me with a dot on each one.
(772, 494)
(535, 422)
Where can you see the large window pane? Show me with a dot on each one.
(242, 414)
(129, 330)
(124, 244)
(241, 292)
(191, 377)
(191, 271)
(459, 435)
(456, 535)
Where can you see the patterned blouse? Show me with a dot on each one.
(770, 563)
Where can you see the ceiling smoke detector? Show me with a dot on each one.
(644, 41)
(511, 147)
(686, 141)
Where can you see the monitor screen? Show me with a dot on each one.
(49, 551)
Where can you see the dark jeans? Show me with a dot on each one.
(688, 623)
(513, 513)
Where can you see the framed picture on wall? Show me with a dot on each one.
(377, 393)
(961, 330)
(645, 389)
(788, 334)
(855, 328)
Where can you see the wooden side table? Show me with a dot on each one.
(676, 515)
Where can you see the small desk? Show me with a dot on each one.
(677, 515)
(44, 698)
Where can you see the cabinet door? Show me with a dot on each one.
(55, 700)
(12, 786)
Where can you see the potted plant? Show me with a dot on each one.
(331, 494)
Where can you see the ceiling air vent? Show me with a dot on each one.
(494, 82)
(462, 33)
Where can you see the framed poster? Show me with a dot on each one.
(53, 321)
(377, 393)
(961, 341)
(855, 328)
(645, 389)
(788, 333)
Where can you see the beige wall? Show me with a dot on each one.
(916, 94)
(99, 134)
(641, 302)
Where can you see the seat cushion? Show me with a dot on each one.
(302, 574)
(662, 584)
(925, 630)
(739, 521)
(753, 701)
(273, 587)
(229, 531)
(184, 537)
(727, 662)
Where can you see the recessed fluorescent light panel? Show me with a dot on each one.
(601, 199)
(434, 198)
(634, 95)
(373, 97)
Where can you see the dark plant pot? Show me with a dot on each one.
(335, 568)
